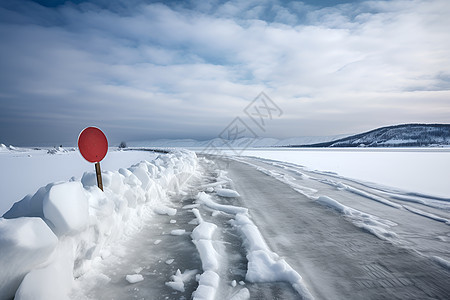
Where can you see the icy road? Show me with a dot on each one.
(248, 228)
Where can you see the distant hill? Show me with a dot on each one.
(406, 135)
(238, 143)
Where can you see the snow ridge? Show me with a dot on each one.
(71, 223)
(202, 236)
(372, 224)
(263, 264)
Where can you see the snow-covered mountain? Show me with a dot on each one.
(243, 142)
(405, 135)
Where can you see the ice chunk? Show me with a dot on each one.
(176, 285)
(266, 266)
(207, 286)
(134, 278)
(177, 232)
(165, 210)
(179, 279)
(204, 231)
(206, 200)
(67, 208)
(208, 254)
(227, 193)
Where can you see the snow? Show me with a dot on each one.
(50, 237)
(372, 224)
(204, 231)
(423, 170)
(66, 208)
(208, 283)
(444, 263)
(202, 237)
(25, 244)
(26, 170)
(393, 220)
(263, 264)
(427, 214)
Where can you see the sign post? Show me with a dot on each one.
(93, 146)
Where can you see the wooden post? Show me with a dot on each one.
(99, 175)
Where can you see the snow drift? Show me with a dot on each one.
(52, 237)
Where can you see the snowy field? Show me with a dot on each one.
(417, 170)
(24, 171)
(279, 224)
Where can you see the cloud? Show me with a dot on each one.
(144, 69)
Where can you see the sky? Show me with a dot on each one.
(145, 70)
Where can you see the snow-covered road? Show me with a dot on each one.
(341, 251)
(347, 240)
(182, 226)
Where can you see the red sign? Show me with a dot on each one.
(92, 144)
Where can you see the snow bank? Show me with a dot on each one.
(24, 171)
(66, 208)
(53, 236)
(25, 243)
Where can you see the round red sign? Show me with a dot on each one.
(92, 144)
